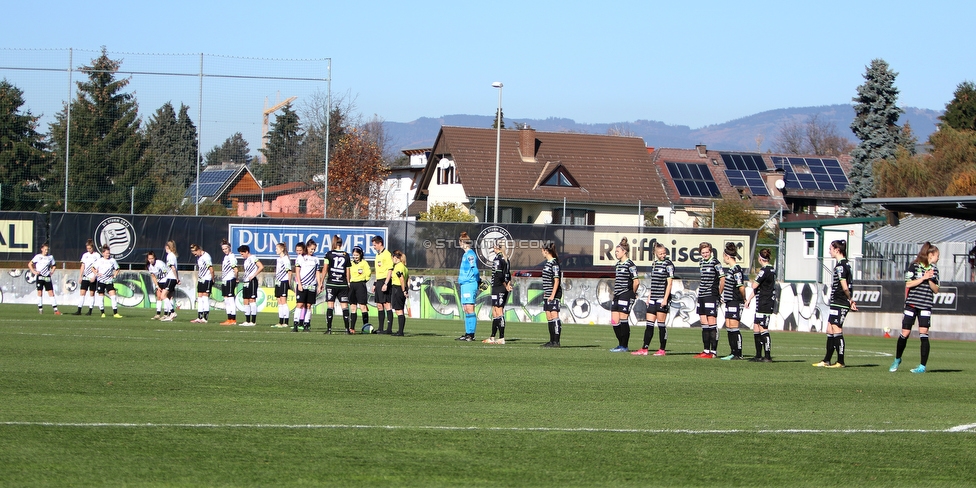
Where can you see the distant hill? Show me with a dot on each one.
(755, 132)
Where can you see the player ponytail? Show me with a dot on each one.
(841, 246)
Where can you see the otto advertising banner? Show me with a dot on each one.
(682, 249)
(16, 236)
(262, 239)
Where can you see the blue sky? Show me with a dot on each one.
(682, 63)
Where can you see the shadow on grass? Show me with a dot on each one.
(944, 371)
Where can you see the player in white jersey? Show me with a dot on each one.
(106, 269)
(306, 286)
(252, 267)
(43, 265)
(205, 278)
(86, 278)
(172, 280)
(228, 287)
(157, 273)
(283, 274)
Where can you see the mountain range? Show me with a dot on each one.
(757, 132)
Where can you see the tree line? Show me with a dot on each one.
(117, 163)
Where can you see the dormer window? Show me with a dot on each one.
(447, 172)
(560, 177)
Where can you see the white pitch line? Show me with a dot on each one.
(969, 428)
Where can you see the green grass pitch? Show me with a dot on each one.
(86, 401)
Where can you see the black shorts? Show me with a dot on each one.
(551, 305)
(333, 293)
(380, 296)
(657, 306)
(733, 310)
(87, 285)
(398, 299)
(837, 316)
(499, 296)
(708, 306)
(229, 288)
(622, 304)
(306, 296)
(358, 294)
(171, 288)
(44, 283)
(204, 286)
(250, 291)
(103, 288)
(761, 320)
(924, 316)
(281, 289)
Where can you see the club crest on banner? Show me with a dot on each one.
(485, 244)
(118, 234)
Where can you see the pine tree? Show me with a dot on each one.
(171, 151)
(283, 149)
(106, 146)
(24, 164)
(960, 113)
(876, 124)
(233, 150)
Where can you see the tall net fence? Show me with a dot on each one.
(129, 132)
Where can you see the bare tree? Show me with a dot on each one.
(790, 139)
(815, 136)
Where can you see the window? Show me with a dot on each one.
(506, 215)
(574, 216)
(560, 177)
(809, 244)
(447, 172)
(302, 206)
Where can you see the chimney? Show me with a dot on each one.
(771, 180)
(701, 150)
(527, 143)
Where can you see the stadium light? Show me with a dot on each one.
(498, 143)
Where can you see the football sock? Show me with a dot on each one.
(767, 344)
(345, 318)
(389, 319)
(401, 321)
(839, 345)
(230, 304)
(735, 342)
(501, 327)
(381, 319)
(713, 333)
(624, 338)
(552, 330)
(759, 347)
(662, 336)
(470, 323)
(900, 348)
(328, 317)
(706, 338)
(559, 330)
(352, 321)
(924, 348)
(365, 317)
(830, 348)
(494, 326)
(648, 334)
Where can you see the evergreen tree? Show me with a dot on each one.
(283, 149)
(106, 146)
(233, 150)
(876, 124)
(24, 164)
(171, 150)
(960, 113)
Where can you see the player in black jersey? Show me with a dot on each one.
(764, 292)
(840, 304)
(710, 284)
(337, 266)
(625, 284)
(501, 287)
(662, 276)
(733, 294)
(552, 292)
(921, 285)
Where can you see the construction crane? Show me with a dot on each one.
(268, 111)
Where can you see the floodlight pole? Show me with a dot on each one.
(498, 143)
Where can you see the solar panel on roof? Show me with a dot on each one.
(693, 180)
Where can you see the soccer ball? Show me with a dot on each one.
(367, 329)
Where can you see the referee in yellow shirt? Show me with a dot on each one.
(381, 287)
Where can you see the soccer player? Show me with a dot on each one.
(764, 289)
(840, 305)
(921, 285)
(172, 280)
(469, 281)
(359, 272)
(86, 276)
(157, 273)
(662, 276)
(625, 285)
(306, 287)
(228, 287)
(106, 269)
(205, 276)
(252, 268)
(400, 282)
(733, 294)
(712, 279)
(338, 265)
(43, 265)
(381, 287)
(283, 273)
(501, 287)
(552, 292)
